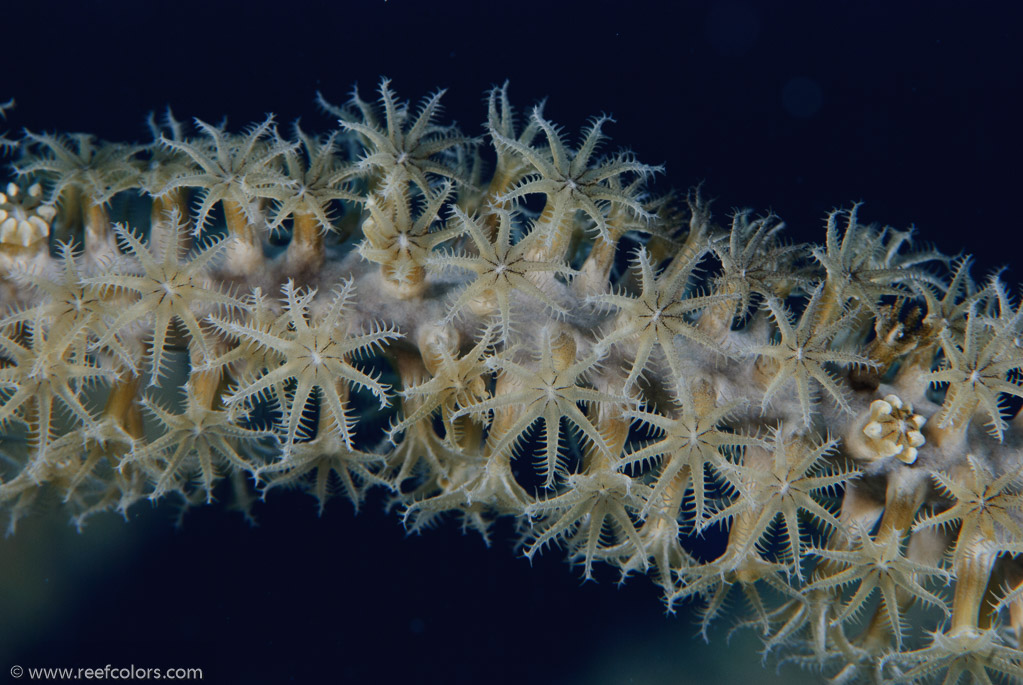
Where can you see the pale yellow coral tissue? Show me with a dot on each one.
(556, 342)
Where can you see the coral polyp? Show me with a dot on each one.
(558, 342)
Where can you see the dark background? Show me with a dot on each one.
(798, 107)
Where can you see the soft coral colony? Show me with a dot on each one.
(516, 325)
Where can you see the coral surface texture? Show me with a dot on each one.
(520, 323)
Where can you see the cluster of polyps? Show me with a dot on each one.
(823, 405)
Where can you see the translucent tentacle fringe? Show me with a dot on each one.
(365, 309)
